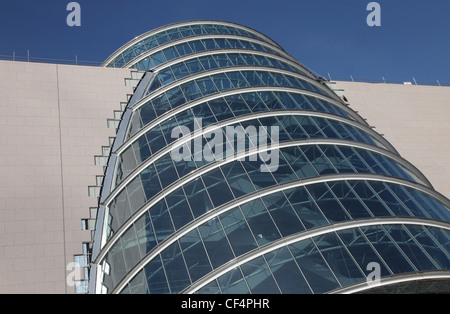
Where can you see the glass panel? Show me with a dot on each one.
(175, 268)
(194, 253)
(166, 76)
(222, 82)
(156, 279)
(306, 208)
(254, 102)
(376, 206)
(240, 184)
(158, 58)
(442, 236)
(211, 288)
(408, 201)
(147, 114)
(162, 38)
(174, 34)
(260, 179)
(210, 44)
(186, 31)
(267, 78)
(286, 272)
(301, 166)
(145, 234)
(233, 283)
(191, 91)
(237, 231)
(318, 159)
(387, 249)
(141, 149)
(313, 267)
(259, 277)
(440, 257)
(310, 127)
(260, 222)
(171, 53)
(220, 109)
(217, 247)
(197, 197)
(237, 79)
(208, 63)
(206, 86)
(222, 60)
(161, 220)
(336, 158)
(327, 203)
(237, 104)
(410, 248)
(194, 66)
(197, 46)
(361, 250)
(283, 214)
(138, 285)
(340, 261)
(180, 71)
(236, 59)
(385, 194)
(179, 208)
(166, 171)
(130, 248)
(349, 200)
(354, 158)
(136, 194)
(217, 187)
(116, 259)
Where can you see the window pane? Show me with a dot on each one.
(306, 208)
(339, 260)
(327, 203)
(259, 277)
(217, 187)
(410, 247)
(233, 282)
(194, 253)
(283, 214)
(216, 244)
(237, 231)
(388, 251)
(349, 200)
(313, 266)
(197, 197)
(286, 272)
(175, 268)
(156, 279)
(361, 250)
(260, 222)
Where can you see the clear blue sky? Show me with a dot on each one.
(328, 36)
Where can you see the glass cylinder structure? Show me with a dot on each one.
(237, 170)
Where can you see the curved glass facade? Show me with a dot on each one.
(238, 171)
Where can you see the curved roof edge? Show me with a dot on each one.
(173, 25)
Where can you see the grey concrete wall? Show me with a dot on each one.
(53, 121)
(415, 119)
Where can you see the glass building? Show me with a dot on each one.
(340, 205)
